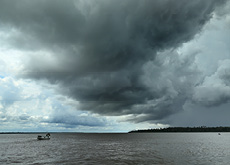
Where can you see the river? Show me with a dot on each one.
(116, 148)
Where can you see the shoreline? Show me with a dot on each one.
(183, 129)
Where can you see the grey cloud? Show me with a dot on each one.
(224, 10)
(105, 51)
(212, 95)
(171, 78)
(24, 117)
(215, 89)
(224, 72)
(197, 115)
(74, 120)
(21, 119)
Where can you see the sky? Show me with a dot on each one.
(113, 66)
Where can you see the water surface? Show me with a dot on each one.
(136, 148)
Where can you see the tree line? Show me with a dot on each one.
(184, 129)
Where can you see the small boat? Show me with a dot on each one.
(219, 134)
(47, 137)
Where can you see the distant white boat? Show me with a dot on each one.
(47, 137)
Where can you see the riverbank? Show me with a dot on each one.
(184, 129)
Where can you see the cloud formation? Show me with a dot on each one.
(215, 89)
(113, 57)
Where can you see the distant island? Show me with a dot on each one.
(184, 129)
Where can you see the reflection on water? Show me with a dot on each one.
(139, 148)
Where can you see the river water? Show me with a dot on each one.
(115, 148)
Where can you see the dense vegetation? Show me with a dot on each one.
(184, 129)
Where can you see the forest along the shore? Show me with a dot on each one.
(184, 129)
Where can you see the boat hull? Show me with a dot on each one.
(43, 138)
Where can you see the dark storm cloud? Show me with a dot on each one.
(99, 52)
